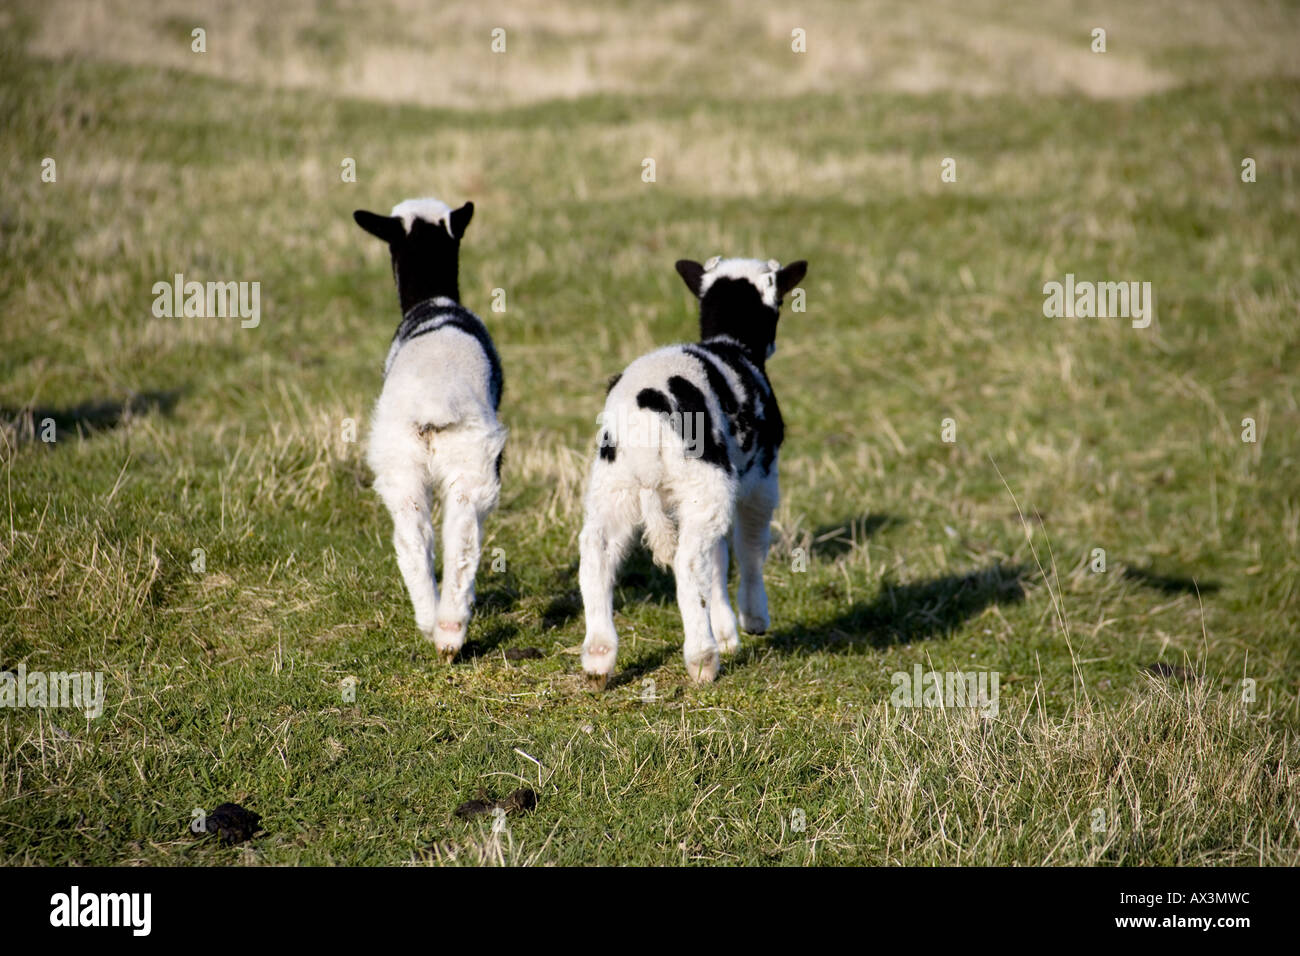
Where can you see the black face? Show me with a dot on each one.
(735, 307)
(426, 261)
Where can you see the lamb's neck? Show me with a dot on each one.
(416, 285)
(756, 357)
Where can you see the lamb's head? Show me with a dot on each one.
(423, 236)
(741, 298)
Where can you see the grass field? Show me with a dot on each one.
(1127, 731)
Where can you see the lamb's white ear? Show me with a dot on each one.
(387, 228)
(460, 218)
(790, 276)
(692, 273)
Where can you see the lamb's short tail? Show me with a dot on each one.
(660, 530)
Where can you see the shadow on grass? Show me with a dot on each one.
(832, 541)
(639, 580)
(1170, 584)
(486, 641)
(904, 613)
(899, 614)
(652, 660)
(30, 424)
(503, 595)
(651, 584)
(566, 600)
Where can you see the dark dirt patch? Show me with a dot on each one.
(523, 800)
(1161, 669)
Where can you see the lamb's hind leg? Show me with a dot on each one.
(407, 498)
(607, 530)
(720, 613)
(469, 496)
(703, 517)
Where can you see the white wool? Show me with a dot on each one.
(429, 209)
(761, 272)
(434, 432)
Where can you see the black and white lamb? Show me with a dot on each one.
(435, 425)
(688, 448)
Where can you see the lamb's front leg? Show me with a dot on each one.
(462, 542)
(408, 502)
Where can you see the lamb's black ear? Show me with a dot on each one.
(460, 219)
(387, 228)
(692, 272)
(790, 276)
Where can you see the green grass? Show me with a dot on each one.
(924, 302)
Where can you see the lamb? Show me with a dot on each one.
(688, 448)
(435, 423)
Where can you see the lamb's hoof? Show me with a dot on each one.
(728, 645)
(704, 670)
(596, 682)
(449, 637)
(598, 658)
(757, 626)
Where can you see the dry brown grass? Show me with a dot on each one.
(439, 54)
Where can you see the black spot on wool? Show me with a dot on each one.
(768, 428)
(687, 400)
(717, 381)
(690, 401)
(653, 400)
(741, 418)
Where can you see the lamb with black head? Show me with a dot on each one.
(435, 424)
